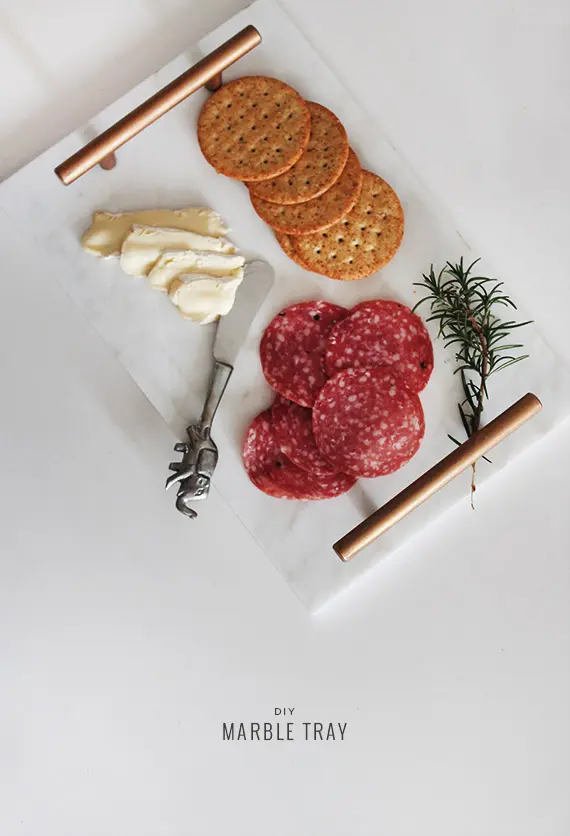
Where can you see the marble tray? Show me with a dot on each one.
(168, 358)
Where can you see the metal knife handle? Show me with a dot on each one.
(219, 380)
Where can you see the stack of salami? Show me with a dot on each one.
(347, 405)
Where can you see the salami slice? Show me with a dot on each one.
(292, 349)
(274, 474)
(367, 422)
(293, 430)
(382, 333)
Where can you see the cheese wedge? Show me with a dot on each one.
(170, 265)
(202, 298)
(108, 231)
(145, 244)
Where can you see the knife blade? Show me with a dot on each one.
(232, 329)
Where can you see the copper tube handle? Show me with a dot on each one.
(436, 477)
(207, 72)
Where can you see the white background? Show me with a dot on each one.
(126, 640)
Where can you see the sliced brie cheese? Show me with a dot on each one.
(170, 265)
(145, 244)
(203, 298)
(108, 231)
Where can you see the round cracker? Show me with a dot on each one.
(320, 166)
(319, 213)
(363, 241)
(286, 244)
(253, 128)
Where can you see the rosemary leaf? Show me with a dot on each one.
(465, 306)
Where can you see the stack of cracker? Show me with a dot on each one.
(304, 180)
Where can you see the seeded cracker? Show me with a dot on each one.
(320, 166)
(363, 241)
(319, 213)
(253, 128)
(285, 242)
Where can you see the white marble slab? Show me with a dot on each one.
(168, 359)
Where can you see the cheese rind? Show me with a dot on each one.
(203, 298)
(145, 244)
(170, 265)
(107, 232)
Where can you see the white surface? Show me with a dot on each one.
(170, 360)
(125, 644)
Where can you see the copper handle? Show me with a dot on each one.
(207, 72)
(436, 477)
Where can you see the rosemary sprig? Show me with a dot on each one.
(466, 308)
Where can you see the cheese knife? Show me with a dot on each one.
(193, 474)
